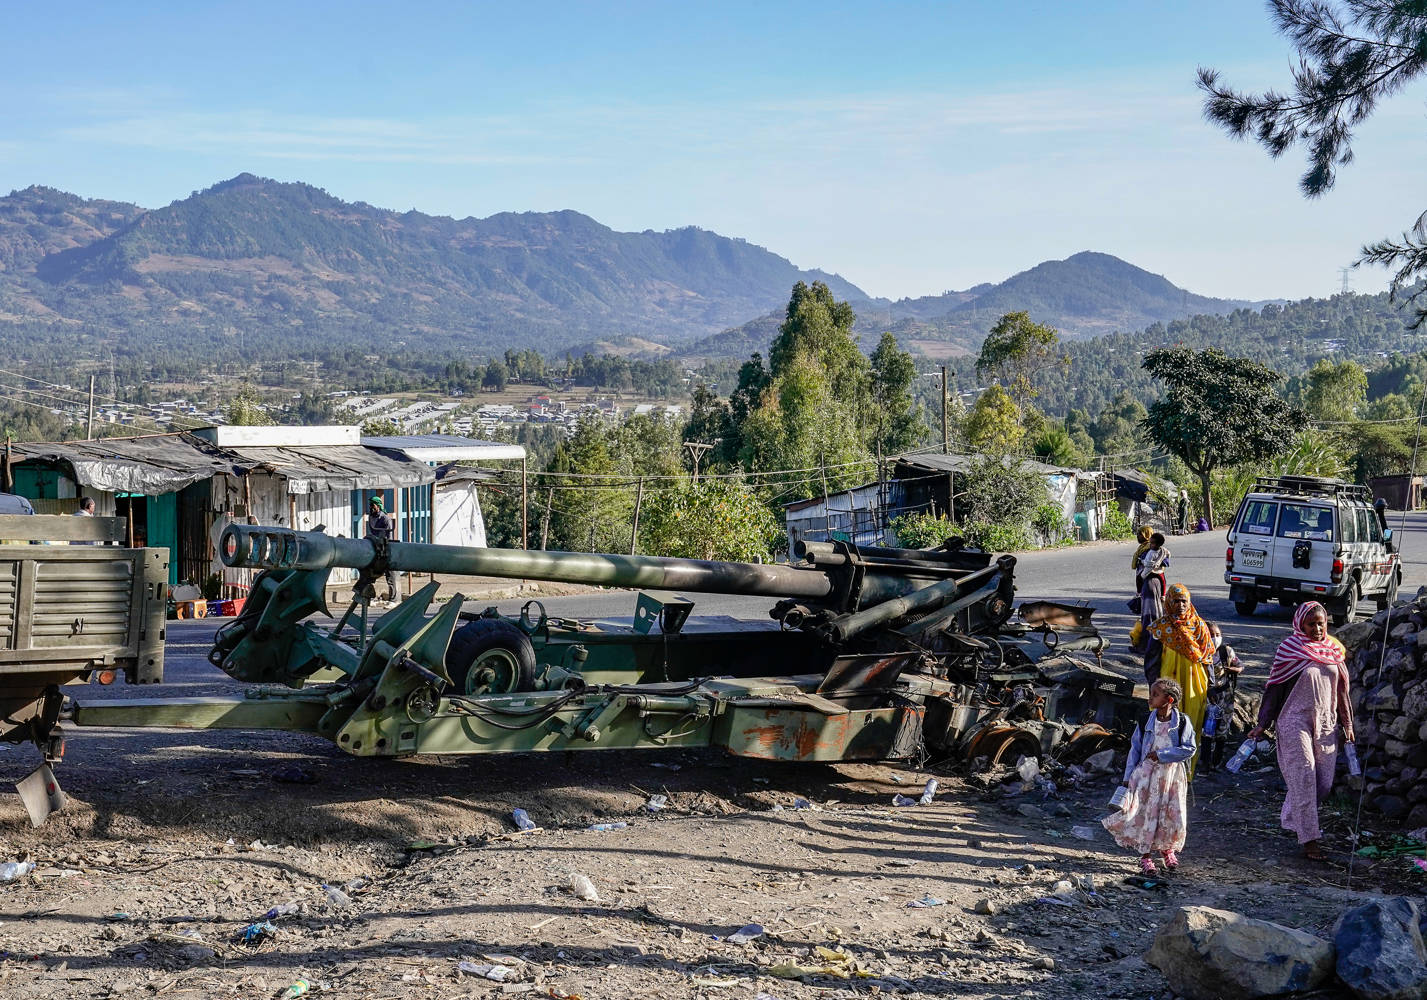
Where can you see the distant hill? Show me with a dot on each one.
(293, 267)
(276, 270)
(1086, 295)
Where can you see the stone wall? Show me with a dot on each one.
(1390, 702)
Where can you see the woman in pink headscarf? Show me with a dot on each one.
(1306, 700)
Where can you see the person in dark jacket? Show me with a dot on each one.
(381, 528)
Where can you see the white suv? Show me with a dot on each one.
(1300, 538)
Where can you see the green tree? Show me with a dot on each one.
(496, 376)
(900, 424)
(1335, 392)
(380, 427)
(1217, 411)
(592, 511)
(246, 409)
(1352, 54)
(994, 423)
(1118, 428)
(1055, 446)
(711, 519)
(1016, 351)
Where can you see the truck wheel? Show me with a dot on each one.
(490, 656)
(1389, 595)
(1246, 607)
(1343, 612)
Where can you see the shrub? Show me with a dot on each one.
(994, 536)
(1049, 521)
(1117, 526)
(922, 531)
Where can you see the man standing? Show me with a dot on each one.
(86, 509)
(1183, 526)
(380, 528)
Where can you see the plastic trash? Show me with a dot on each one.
(1351, 753)
(1241, 756)
(745, 934)
(495, 973)
(1083, 832)
(582, 887)
(1028, 768)
(258, 932)
(903, 800)
(12, 870)
(281, 910)
(928, 792)
(924, 902)
(802, 804)
(608, 826)
(297, 989)
(336, 896)
(522, 820)
(1211, 720)
(656, 802)
(1118, 799)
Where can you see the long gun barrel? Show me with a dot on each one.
(847, 585)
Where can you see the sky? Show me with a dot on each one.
(911, 148)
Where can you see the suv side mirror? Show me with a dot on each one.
(1387, 540)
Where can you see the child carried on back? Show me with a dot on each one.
(1154, 816)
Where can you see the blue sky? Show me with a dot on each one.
(912, 148)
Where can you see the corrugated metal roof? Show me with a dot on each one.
(339, 467)
(445, 448)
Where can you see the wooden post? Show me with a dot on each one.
(525, 507)
(9, 471)
(545, 521)
(827, 503)
(945, 426)
(634, 532)
(90, 434)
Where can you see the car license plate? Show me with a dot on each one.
(1252, 558)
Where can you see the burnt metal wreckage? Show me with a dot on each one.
(876, 654)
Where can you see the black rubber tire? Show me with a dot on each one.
(1385, 599)
(1287, 603)
(1246, 608)
(500, 648)
(1342, 613)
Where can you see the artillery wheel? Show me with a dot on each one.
(1000, 743)
(490, 656)
(1086, 742)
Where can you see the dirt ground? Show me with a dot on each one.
(167, 852)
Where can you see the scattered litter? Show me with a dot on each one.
(903, 800)
(257, 933)
(582, 887)
(656, 802)
(1421, 863)
(896, 778)
(522, 820)
(1028, 768)
(802, 804)
(745, 934)
(495, 973)
(1118, 799)
(608, 826)
(719, 983)
(422, 845)
(12, 870)
(1063, 888)
(928, 792)
(1148, 884)
(547, 920)
(281, 910)
(297, 989)
(925, 902)
(1083, 832)
(1102, 761)
(336, 896)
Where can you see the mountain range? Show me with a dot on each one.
(291, 268)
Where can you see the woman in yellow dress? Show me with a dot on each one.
(1182, 649)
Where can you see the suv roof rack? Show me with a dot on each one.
(1313, 486)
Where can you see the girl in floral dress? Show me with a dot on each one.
(1154, 815)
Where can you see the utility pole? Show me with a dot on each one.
(696, 452)
(634, 531)
(90, 434)
(945, 403)
(545, 521)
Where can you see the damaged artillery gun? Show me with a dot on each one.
(872, 653)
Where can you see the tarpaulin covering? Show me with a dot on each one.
(334, 467)
(150, 465)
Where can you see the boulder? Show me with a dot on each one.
(1380, 951)
(1414, 702)
(1417, 756)
(1208, 954)
(1357, 633)
(1390, 806)
(1382, 699)
(1404, 727)
(1396, 749)
(1402, 631)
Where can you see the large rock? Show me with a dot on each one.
(1380, 951)
(1209, 954)
(1382, 699)
(1414, 701)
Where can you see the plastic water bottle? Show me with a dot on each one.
(1245, 750)
(522, 820)
(281, 910)
(928, 792)
(608, 826)
(297, 989)
(12, 870)
(1351, 753)
(1211, 720)
(336, 896)
(582, 887)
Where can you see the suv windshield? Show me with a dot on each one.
(1302, 521)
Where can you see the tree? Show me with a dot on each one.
(899, 423)
(994, 423)
(1016, 350)
(1352, 54)
(245, 409)
(496, 376)
(1217, 410)
(1335, 392)
(710, 519)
